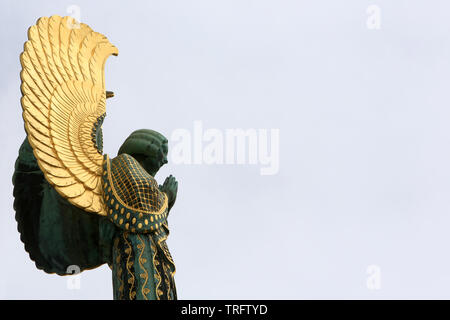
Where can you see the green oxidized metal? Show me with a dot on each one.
(131, 239)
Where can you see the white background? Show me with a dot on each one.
(364, 120)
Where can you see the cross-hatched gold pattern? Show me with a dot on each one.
(134, 186)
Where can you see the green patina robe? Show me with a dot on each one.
(142, 268)
(142, 265)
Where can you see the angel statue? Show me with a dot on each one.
(77, 208)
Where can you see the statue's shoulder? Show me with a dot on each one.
(131, 195)
(125, 167)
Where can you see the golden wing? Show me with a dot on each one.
(63, 100)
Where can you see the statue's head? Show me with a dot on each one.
(148, 147)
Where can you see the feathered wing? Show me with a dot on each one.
(63, 98)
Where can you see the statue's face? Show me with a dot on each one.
(154, 162)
